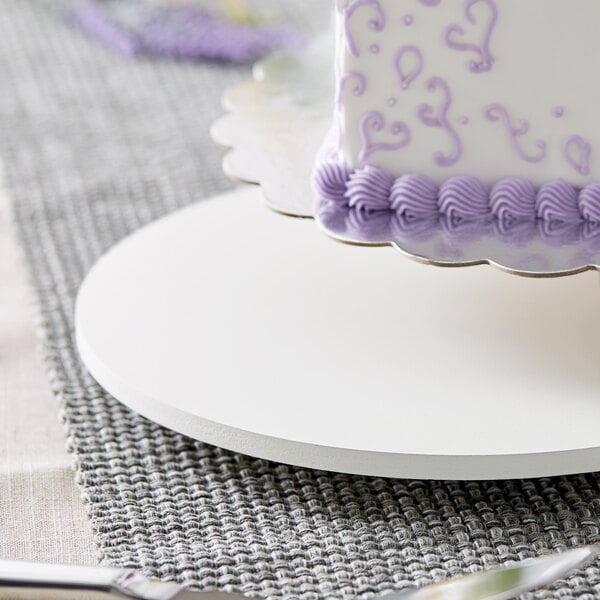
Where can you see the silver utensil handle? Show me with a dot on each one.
(126, 583)
(16, 574)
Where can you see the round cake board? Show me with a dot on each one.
(244, 329)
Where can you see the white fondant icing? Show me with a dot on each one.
(544, 55)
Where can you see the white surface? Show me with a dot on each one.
(253, 331)
(532, 74)
(42, 516)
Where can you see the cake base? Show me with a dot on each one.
(256, 333)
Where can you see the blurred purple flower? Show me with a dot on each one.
(138, 27)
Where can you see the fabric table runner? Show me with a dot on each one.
(42, 517)
(95, 146)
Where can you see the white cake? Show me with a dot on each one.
(468, 106)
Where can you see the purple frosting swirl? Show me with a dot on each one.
(559, 233)
(414, 196)
(513, 198)
(590, 234)
(516, 231)
(413, 230)
(464, 196)
(369, 189)
(462, 230)
(368, 225)
(558, 201)
(330, 181)
(589, 203)
(333, 216)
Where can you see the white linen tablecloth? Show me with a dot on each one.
(42, 516)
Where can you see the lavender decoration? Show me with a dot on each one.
(94, 19)
(181, 32)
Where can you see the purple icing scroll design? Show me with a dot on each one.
(376, 24)
(430, 2)
(589, 202)
(495, 112)
(560, 233)
(360, 86)
(407, 77)
(459, 230)
(368, 189)
(464, 196)
(485, 60)
(373, 123)
(578, 153)
(513, 199)
(330, 181)
(590, 234)
(414, 196)
(370, 226)
(558, 201)
(427, 115)
(518, 232)
(405, 229)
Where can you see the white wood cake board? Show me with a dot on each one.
(255, 332)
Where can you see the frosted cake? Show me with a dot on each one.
(467, 108)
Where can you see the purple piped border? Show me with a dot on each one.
(372, 189)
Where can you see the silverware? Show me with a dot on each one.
(21, 579)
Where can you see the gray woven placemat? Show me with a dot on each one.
(94, 147)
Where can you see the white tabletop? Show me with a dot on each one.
(42, 516)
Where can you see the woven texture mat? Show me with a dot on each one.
(96, 146)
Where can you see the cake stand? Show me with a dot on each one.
(255, 332)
